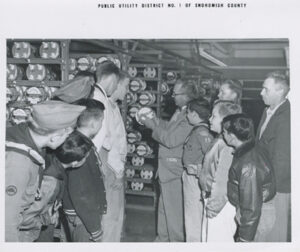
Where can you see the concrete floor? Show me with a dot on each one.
(139, 226)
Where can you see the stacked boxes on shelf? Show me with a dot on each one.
(169, 78)
(144, 91)
(88, 62)
(209, 85)
(35, 69)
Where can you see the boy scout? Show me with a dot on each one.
(50, 124)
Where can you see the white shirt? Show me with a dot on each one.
(100, 139)
(117, 154)
(270, 112)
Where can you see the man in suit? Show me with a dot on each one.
(273, 135)
(171, 136)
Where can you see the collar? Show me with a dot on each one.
(113, 103)
(54, 167)
(182, 108)
(101, 89)
(243, 149)
(85, 137)
(20, 134)
(203, 124)
(272, 112)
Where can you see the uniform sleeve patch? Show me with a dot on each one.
(203, 133)
(207, 139)
(205, 136)
(11, 190)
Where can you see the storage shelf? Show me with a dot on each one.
(133, 155)
(59, 64)
(144, 65)
(147, 181)
(140, 207)
(39, 40)
(169, 83)
(93, 55)
(141, 193)
(130, 166)
(18, 104)
(35, 83)
(145, 79)
(155, 105)
(250, 99)
(151, 91)
(34, 61)
(252, 89)
(153, 87)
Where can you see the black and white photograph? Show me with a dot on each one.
(178, 157)
(181, 136)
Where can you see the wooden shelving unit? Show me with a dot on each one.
(154, 87)
(58, 67)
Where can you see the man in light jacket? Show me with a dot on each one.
(108, 75)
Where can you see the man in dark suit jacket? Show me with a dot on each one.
(273, 135)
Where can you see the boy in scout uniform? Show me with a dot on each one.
(50, 124)
(194, 149)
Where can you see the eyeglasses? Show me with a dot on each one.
(174, 94)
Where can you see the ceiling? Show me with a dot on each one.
(243, 59)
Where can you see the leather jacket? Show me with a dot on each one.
(251, 183)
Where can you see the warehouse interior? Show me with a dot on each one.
(153, 65)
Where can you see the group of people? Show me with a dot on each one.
(219, 181)
(67, 163)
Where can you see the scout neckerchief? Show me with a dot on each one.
(34, 156)
(101, 90)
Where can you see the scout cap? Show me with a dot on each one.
(74, 90)
(54, 115)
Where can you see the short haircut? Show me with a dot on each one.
(75, 148)
(226, 108)
(236, 87)
(105, 69)
(281, 79)
(240, 125)
(122, 78)
(191, 89)
(123, 75)
(94, 111)
(201, 107)
(86, 74)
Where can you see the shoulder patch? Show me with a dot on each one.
(207, 139)
(203, 133)
(11, 190)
